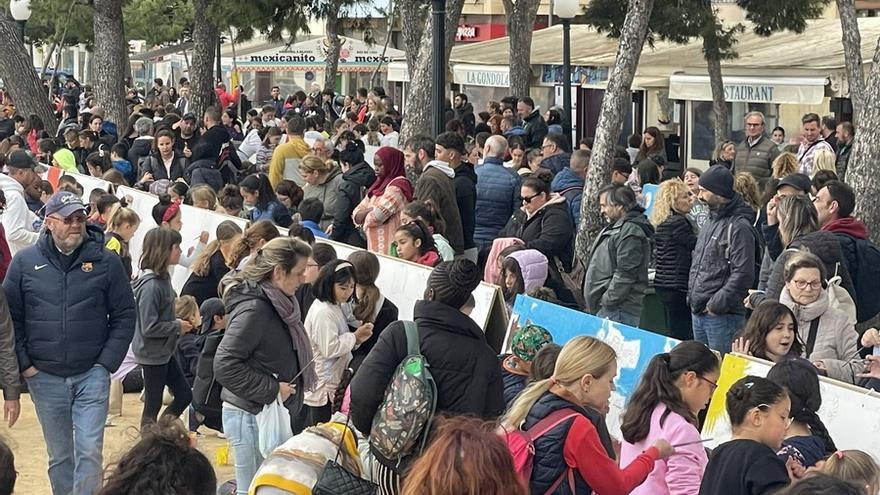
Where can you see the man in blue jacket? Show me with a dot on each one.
(569, 183)
(74, 314)
(497, 193)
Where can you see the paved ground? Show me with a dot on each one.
(26, 441)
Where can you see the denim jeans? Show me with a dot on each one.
(72, 412)
(620, 317)
(240, 428)
(717, 331)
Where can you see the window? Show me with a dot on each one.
(703, 133)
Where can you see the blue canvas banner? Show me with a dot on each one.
(649, 192)
(635, 347)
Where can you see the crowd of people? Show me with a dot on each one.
(296, 355)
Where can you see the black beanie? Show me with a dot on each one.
(454, 281)
(718, 180)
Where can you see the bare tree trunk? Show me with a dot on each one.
(111, 57)
(519, 15)
(48, 58)
(418, 118)
(390, 21)
(852, 53)
(17, 72)
(205, 35)
(418, 100)
(719, 106)
(413, 27)
(861, 171)
(334, 45)
(617, 97)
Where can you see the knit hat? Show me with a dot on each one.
(528, 340)
(718, 180)
(453, 282)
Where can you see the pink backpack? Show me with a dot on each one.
(521, 445)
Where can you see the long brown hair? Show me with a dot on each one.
(225, 231)
(157, 246)
(658, 145)
(366, 270)
(466, 457)
(253, 233)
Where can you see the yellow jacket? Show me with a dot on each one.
(287, 156)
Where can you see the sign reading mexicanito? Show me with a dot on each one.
(354, 55)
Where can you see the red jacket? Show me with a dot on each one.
(225, 98)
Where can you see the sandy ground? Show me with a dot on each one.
(26, 441)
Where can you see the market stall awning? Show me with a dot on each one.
(639, 82)
(794, 90)
(310, 55)
(496, 76)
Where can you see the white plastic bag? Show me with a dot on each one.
(273, 426)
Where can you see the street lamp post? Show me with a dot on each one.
(438, 12)
(566, 10)
(21, 12)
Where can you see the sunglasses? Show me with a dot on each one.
(528, 199)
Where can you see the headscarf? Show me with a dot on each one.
(393, 173)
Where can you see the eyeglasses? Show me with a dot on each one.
(766, 408)
(528, 199)
(547, 146)
(712, 384)
(803, 284)
(76, 219)
(750, 124)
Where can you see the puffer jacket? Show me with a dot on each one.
(821, 243)
(756, 160)
(497, 199)
(556, 163)
(549, 230)
(464, 366)
(274, 212)
(836, 338)
(720, 276)
(157, 329)
(466, 197)
(256, 348)
(617, 273)
(69, 319)
(674, 242)
(571, 186)
(548, 462)
(351, 192)
(535, 129)
(141, 147)
(533, 266)
(18, 220)
(328, 193)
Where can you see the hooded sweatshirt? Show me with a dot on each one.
(533, 266)
(157, 329)
(17, 219)
(848, 225)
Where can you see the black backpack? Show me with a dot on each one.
(866, 279)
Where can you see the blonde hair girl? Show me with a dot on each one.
(670, 191)
(122, 223)
(856, 467)
(582, 382)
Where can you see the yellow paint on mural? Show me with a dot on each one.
(732, 369)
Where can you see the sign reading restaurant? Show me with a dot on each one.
(744, 92)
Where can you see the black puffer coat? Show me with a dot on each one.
(256, 346)
(550, 231)
(351, 192)
(674, 242)
(464, 366)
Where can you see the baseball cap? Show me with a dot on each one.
(528, 340)
(21, 159)
(65, 203)
(798, 181)
(189, 116)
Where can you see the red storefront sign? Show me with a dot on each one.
(469, 33)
